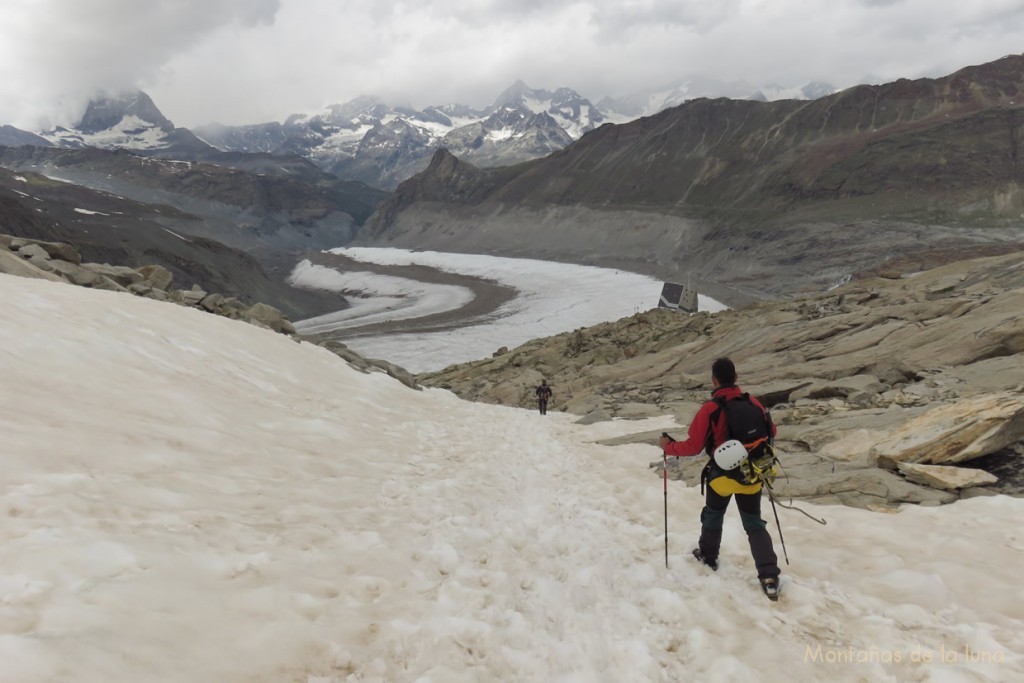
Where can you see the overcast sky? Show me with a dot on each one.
(249, 61)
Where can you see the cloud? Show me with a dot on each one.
(64, 51)
(246, 61)
(616, 20)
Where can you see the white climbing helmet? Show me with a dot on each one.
(730, 455)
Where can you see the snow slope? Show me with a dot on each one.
(189, 498)
(131, 132)
(553, 298)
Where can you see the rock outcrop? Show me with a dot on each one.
(945, 477)
(957, 432)
(926, 368)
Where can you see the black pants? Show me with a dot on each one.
(760, 540)
(543, 404)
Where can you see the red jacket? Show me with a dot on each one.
(697, 436)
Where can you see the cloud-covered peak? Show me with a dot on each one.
(107, 111)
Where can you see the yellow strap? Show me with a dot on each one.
(724, 486)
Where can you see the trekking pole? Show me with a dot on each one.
(771, 497)
(664, 477)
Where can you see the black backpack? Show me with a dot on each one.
(749, 424)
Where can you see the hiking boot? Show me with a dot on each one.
(703, 560)
(770, 586)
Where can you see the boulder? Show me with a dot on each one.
(85, 277)
(212, 302)
(232, 308)
(12, 264)
(33, 252)
(54, 250)
(140, 289)
(861, 487)
(122, 275)
(957, 432)
(192, 297)
(269, 316)
(946, 477)
(156, 277)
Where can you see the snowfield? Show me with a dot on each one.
(189, 498)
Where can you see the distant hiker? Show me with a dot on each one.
(543, 396)
(710, 428)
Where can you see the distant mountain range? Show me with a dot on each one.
(381, 145)
(370, 141)
(758, 195)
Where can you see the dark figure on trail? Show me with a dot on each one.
(543, 395)
(708, 430)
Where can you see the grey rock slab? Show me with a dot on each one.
(12, 264)
(54, 250)
(957, 432)
(945, 477)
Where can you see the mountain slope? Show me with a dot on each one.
(14, 137)
(767, 181)
(107, 228)
(293, 208)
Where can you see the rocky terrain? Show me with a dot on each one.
(886, 390)
(759, 197)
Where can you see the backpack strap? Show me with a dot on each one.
(709, 437)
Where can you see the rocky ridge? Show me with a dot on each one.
(250, 262)
(869, 382)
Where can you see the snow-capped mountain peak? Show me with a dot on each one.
(571, 111)
(128, 120)
(107, 112)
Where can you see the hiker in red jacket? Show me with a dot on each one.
(708, 430)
